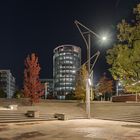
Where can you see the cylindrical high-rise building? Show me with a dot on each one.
(66, 62)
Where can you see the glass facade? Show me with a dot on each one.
(7, 82)
(66, 61)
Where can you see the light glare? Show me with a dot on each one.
(89, 81)
(104, 38)
(119, 84)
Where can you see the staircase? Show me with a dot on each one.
(72, 110)
(129, 112)
(19, 116)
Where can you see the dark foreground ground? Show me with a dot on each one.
(80, 129)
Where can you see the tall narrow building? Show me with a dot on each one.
(48, 87)
(66, 62)
(7, 82)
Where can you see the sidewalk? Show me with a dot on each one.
(80, 129)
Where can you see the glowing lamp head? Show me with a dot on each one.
(119, 84)
(89, 81)
(104, 38)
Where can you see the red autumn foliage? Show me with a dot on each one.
(33, 89)
(105, 85)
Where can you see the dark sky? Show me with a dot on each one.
(39, 26)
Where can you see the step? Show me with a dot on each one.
(26, 120)
(119, 119)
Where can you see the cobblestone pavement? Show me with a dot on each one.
(80, 129)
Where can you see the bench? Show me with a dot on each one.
(32, 113)
(60, 116)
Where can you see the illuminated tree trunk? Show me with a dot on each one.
(33, 89)
(80, 88)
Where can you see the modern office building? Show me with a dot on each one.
(66, 62)
(7, 82)
(48, 87)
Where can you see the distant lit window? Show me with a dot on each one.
(67, 83)
(67, 87)
(60, 58)
(70, 79)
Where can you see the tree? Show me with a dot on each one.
(80, 88)
(105, 86)
(33, 88)
(124, 56)
(18, 94)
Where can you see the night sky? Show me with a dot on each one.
(41, 25)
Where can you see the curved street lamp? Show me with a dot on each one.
(88, 32)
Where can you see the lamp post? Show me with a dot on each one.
(88, 82)
(88, 52)
(134, 84)
(88, 46)
(46, 87)
(118, 87)
(88, 98)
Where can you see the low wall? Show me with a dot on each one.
(125, 98)
(20, 102)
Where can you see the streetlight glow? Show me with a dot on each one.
(104, 38)
(119, 84)
(89, 81)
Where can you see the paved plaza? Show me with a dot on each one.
(80, 129)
